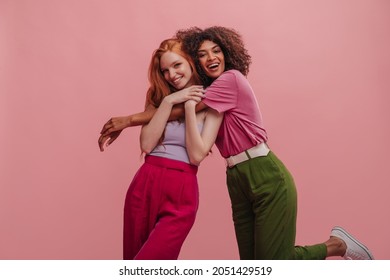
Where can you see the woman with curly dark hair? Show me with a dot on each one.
(261, 189)
(230, 42)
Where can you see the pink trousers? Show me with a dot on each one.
(160, 209)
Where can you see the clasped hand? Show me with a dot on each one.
(195, 93)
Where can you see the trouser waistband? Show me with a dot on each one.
(171, 164)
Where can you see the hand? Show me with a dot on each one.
(112, 129)
(110, 137)
(195, 93)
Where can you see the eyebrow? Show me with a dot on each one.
(173, 63)
(213, 47)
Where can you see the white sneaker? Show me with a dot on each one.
(355, 249)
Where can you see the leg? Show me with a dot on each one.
(287, 203)
(243, 216)
(274, 200)
(140, 210)
(167, 238)
(176, 216)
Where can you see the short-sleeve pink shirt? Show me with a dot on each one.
(242, 127)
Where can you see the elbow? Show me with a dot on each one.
(147, 144)
(146, 151)
(194, 162)
(196, 159)
(146, 148)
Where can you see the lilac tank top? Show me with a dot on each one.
(174, 144)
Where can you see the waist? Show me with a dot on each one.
(259, 150)
(171, 164)
(171, 151)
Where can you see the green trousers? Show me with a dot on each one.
(264, 205)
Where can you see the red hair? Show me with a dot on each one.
(159, 87)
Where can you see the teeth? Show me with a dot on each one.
(213, 65)
(176, 80)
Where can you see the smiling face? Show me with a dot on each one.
(211, 59)
(176, 70)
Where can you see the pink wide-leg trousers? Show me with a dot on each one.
(160, 209)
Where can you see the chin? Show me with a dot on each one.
(215, 75)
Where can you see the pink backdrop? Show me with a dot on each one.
(321, 74)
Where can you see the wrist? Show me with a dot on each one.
(189, 105)
(129, 121)
(167, 100)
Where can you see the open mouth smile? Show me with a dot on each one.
(213, 66)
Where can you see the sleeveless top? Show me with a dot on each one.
(174, 144)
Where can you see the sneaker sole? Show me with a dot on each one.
(342, 233)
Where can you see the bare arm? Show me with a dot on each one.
(177, 112)
(114, 126)
(199, 144)
(152, 132)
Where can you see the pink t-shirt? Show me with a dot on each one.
(242, 127)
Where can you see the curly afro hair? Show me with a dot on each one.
(229, 40)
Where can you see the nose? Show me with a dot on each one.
(210, 56)
(172, 73)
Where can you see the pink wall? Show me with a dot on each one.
(321, 74)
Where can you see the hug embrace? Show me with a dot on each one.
(199, 96)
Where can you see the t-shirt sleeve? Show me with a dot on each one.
(221, 95)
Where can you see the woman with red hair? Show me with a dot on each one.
(162, 200)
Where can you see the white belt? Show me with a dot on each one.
(256, 151)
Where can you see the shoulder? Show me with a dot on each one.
(227, 77)
(230, 73)
(234, 73)
(233, 76)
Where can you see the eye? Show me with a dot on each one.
(177, 65)
(200, 55)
